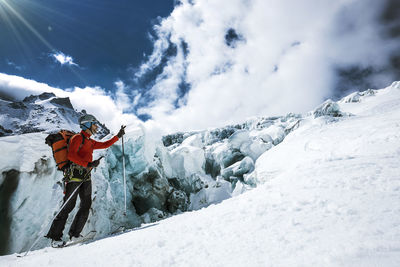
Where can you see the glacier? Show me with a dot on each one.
(183, 171)
(177, 173)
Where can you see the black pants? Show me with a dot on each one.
(85, 195)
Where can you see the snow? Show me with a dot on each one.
(327, 195)
(27, 147)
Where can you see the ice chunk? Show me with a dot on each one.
(328, 108)
(239, 138)
(177, 200)
(135, 155)
(352, 98)
(240, 188)
(239, 168)
(153, 215)
(357, 96)
(226, 156)
(194, 140)
(251, 144)
(212, 167)
(192, 184)
(254, 148)
(187, 160)
(214, 193)
(396, 85)
(165, 160)
(273, 134)
(250, 179)
(150, 190)
(112, 160)
(263, 135)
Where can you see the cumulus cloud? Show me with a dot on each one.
(63, 59)
(92, 99)
(17, 88)
(262, 57)
(219, 62)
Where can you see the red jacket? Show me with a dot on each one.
(85, 153)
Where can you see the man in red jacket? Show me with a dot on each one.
(80, 154)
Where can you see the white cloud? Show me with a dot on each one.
(63, 59)
(285, 62)
(122, 100)
(18, 88)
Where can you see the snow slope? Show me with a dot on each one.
(328, 196)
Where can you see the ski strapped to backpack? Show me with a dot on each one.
(59, 144)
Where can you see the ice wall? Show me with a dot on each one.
(28, 187)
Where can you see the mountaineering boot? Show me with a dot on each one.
(57, 243)
(75, 239)
(81, 239)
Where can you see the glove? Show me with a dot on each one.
(121, 131)
(94, 163)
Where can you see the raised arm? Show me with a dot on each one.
(101, 145)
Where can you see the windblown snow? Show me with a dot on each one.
(326, 193)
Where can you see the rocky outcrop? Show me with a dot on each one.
(41, 113)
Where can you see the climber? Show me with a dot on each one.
(77, 178)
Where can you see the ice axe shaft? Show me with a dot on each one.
(123, 171)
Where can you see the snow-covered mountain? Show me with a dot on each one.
(40, 113)
(326, 193)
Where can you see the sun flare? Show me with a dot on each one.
(10, 15)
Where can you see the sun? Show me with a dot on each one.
(9, 15)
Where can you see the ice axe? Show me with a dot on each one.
(123, 168)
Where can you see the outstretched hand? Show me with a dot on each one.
(121, 131)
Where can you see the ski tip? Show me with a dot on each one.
(22, 254)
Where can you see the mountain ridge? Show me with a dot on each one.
(41, 113)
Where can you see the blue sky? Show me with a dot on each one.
(195, 64)
(104, 40)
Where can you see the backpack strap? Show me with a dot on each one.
(83, 141)
(81, 145)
